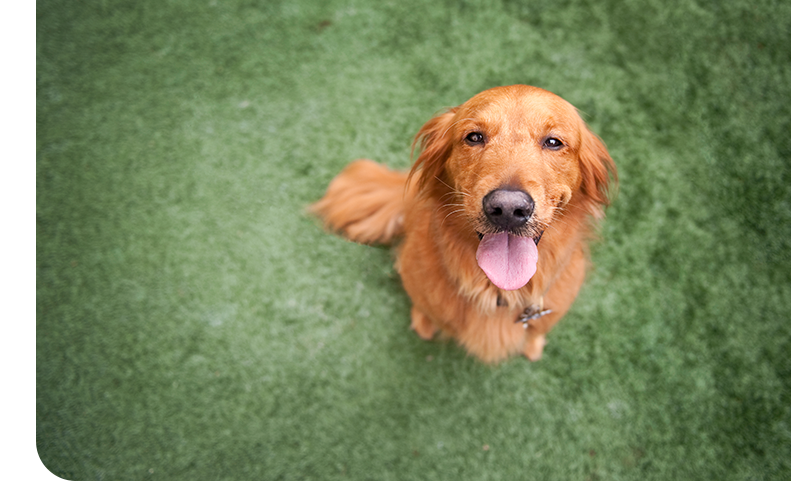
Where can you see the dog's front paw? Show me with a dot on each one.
(422, 325)
(534, 347)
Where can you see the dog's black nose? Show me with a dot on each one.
(508, 209)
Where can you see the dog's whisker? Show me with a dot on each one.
(451, 195)
(453, 191)
(449, 214)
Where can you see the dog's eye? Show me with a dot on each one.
(474, 138)
(553, 144)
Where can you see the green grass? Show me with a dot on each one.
(193, 323)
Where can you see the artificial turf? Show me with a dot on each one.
(193, 323)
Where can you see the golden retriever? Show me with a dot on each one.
(492, 221)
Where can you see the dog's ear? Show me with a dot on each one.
(599, 175)
(435, 144)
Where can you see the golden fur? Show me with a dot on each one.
(436, 212)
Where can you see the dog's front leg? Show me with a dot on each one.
(534, 344)
(422, 325)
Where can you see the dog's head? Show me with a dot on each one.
(514, 159)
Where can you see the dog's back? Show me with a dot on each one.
(364, 203)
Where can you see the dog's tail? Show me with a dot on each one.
(364, 203)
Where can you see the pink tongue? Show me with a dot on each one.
(508, 261)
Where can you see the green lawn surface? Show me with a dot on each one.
(192, 322)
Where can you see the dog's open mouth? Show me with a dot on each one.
(536, 239)
(508, 260)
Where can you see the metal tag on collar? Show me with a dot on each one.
(530, 313)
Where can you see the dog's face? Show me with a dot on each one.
(518, 153)
(515, 158)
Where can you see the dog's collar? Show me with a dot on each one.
(534, 311)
